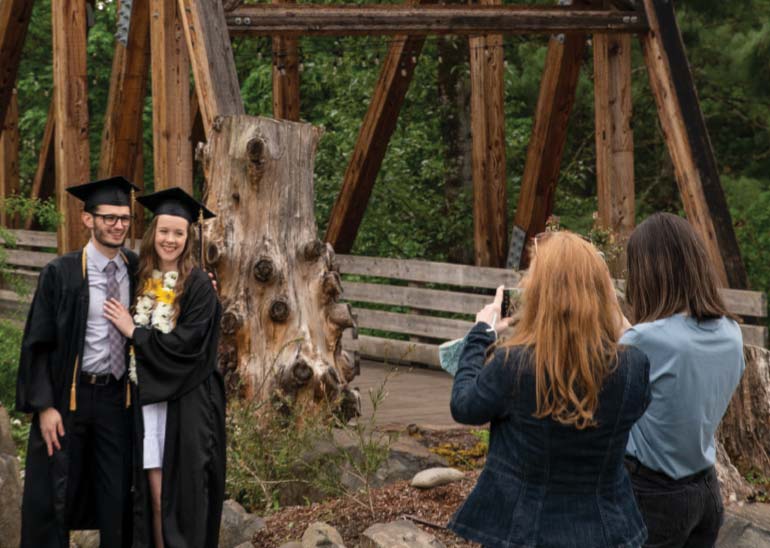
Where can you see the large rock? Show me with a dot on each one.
(7, 445)
(746, 526)
(434, 477)
(398, 534)
(405, 458)
(238, 526)
(10, 486)
(321, 535)
(84, 539)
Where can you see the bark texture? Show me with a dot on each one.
(279, 283)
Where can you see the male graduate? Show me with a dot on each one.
(72, 377)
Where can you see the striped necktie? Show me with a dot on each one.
(115, 340)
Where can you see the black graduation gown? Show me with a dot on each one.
(53, 341)
(180, 368)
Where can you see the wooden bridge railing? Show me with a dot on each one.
(404, 308)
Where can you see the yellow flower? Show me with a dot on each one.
(166, 296)
(152, 286)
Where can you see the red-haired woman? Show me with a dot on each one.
(560, 397)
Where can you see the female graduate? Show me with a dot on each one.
(179, 472)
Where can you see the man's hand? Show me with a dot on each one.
(52, 427)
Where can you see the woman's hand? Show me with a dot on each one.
(120, 316)
(490, 314)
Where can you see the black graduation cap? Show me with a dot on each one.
(113, 191)
(175, 201)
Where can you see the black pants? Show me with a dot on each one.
(678, 513)
(100, 459)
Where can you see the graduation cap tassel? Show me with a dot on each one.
(200, 236)
(133, 224)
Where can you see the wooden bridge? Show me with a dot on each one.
(404, 308)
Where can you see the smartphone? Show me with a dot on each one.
(510, 301)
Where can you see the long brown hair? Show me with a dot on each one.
(569, 320)
(669, 271)
(149, 261)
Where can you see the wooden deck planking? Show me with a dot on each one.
(414, 395)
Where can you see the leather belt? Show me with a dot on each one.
(97, 380)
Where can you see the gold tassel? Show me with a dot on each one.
(200, 237)
(73, 388)
(128, 393)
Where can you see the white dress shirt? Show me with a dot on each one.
(96, 348)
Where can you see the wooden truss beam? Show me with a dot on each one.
(614, 137)
(208, 42)
(685, 132)
(71, 107)
(9, 160)
(44, 182)
(378, 126)
(546, 146)
(266, 19)
(285, 76)
(173, 155)
(122, 135)
(14, 22)
(490, 201)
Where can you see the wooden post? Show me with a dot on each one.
(549, 134)
(285, 76)
(686, 135)
(376, 130)
(14, 22)
(122, 135)
(71, 126)
(614, 138)
(208, 43)
(172, 158)
(490, 201)
(44, 182)
(9, 160)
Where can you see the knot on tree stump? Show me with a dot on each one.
(279, 309)
(341, 315)
(255, 150)
(312, 250)
(212, 254)
(350, 365)
(331, 260)
(331, 286)
(231, 322)
(264, 270)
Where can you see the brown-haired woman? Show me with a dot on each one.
(179, 470)
(695, 350)
(560, 397)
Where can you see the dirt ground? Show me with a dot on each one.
(429, 509)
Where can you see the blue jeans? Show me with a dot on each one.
(678, 513)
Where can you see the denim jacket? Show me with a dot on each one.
(545, 484)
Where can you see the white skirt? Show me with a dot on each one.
(154, 434)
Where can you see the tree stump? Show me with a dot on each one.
(279, 284)
(744, 432)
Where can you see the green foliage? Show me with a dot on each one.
(10, 344)
(44, 212)
(271, 453)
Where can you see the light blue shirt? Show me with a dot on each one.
(96, 347)
(694, 369)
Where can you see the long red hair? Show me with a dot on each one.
(570, 321)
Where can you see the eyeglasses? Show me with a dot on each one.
(110, 220)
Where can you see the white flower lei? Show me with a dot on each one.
(155, 312)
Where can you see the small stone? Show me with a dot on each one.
(7, 445)
(321, 535)
(398, 534)
(433, 477)
(237, 525)
(10, 502)
(292, 544)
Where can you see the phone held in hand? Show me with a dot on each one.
(510, 301)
